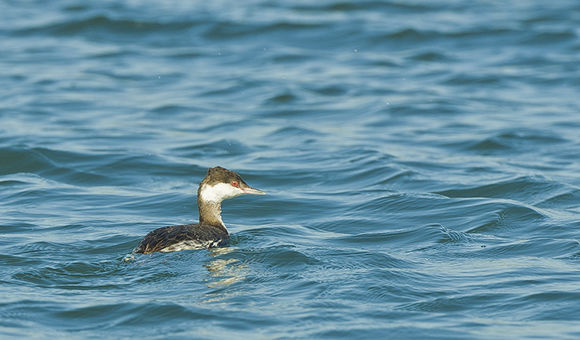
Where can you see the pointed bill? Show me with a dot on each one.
(252, 191)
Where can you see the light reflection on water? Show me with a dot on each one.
(224, 272)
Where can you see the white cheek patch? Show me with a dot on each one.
(219, 192)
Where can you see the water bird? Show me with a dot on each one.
(219, 184)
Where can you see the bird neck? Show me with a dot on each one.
(210, 213)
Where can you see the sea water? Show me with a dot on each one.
(421, 161)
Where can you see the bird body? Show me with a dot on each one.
(218, 184)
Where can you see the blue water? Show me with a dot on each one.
(421, 160)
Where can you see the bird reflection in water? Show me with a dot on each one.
(222, 274)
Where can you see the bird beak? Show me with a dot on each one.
(249, 190)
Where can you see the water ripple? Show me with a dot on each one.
(420, 161)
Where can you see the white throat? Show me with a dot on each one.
(218, 192)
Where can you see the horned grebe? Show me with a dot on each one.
(219, 184)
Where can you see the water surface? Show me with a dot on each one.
(421, 160)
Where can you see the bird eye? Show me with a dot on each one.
(236, 184)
